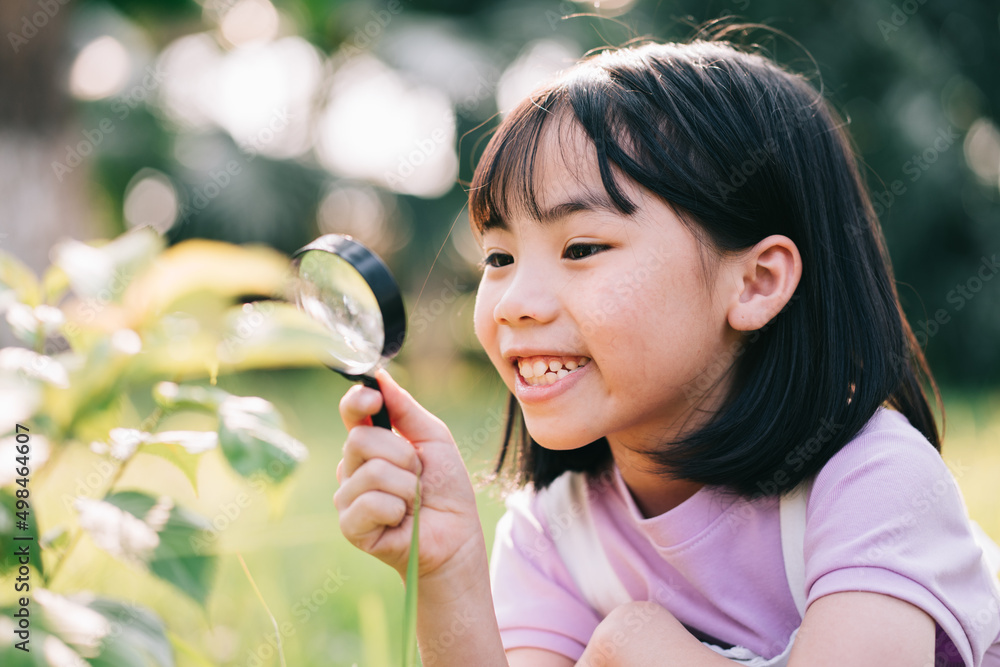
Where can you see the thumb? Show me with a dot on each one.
(413, 421)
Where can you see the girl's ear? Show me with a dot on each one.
(766, 277)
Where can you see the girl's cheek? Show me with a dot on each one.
(482, 318)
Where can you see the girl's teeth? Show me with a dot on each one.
(540, 373)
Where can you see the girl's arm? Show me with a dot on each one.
(864, 629)
(856, 628)
(378, 476)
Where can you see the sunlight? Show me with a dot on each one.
(261, 94)
(150, 199)
(249, 21)
(100, 70)
(536, 65)
(381, 128)
(982, 151)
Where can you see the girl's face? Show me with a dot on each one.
(600, 323)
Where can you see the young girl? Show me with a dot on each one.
(686, 291)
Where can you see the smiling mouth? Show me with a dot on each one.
(544, 370)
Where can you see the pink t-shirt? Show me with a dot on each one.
(885, 515)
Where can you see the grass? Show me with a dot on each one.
(335, 606)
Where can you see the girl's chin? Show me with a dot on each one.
(560, 442)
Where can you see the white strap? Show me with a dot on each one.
(572, 530)
(793, 535)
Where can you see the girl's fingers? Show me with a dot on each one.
(377, 475)
(358, 404)
(371, 512)
(410, 418)
(371, 442)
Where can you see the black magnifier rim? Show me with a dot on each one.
(379, 278)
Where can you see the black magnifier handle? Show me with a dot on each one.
(382, 417)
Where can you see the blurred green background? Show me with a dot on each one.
(255, 121)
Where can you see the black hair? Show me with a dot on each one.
(742, 149)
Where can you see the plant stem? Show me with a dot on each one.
(274, 622)
(149, 423)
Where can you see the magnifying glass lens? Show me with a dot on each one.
(332, 291)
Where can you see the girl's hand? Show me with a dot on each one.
(644, 633)
(378, 477)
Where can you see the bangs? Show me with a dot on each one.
(504, 181)
(637, 131)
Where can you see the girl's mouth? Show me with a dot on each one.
(542, 378)
(542, 371)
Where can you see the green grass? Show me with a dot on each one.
(338, 606)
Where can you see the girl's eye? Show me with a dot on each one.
(581, 250)
(497, 259)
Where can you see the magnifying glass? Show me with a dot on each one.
(349, 289)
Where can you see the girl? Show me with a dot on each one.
(686, 291)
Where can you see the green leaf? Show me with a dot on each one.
(252, 437)
(274, 334)
(152, 532)
(83, 629)
(33, 325)
(55, 282)
(172, 396)
(410, 604)
(182, 449)
(137, 636)
(55, 538)
(10, 655)
(34, 366)
(9, 530)
(106, 270)
(199, 265)
(15, 275)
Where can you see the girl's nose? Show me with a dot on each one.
(529, 297)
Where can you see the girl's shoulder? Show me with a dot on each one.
(890, 461)
(886, 515)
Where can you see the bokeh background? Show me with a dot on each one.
(260, 121)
